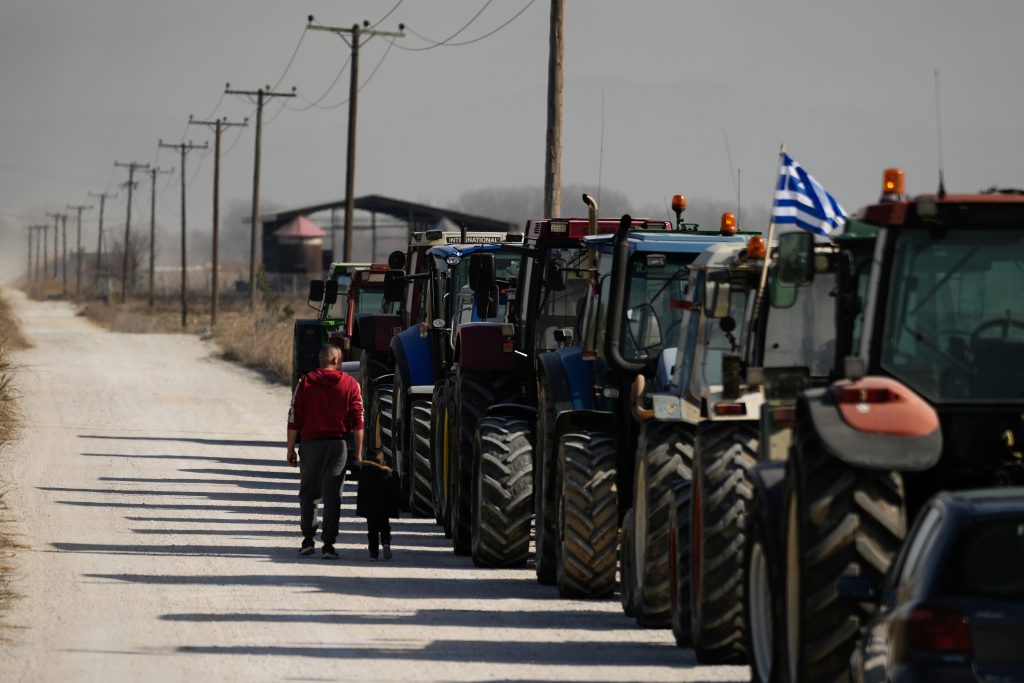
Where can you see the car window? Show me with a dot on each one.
(986, 561)
(919, 542)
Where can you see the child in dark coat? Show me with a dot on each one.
(379, 497)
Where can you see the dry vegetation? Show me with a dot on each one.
(10, 339)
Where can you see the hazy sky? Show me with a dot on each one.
(847, 86)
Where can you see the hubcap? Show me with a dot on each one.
(759, 595)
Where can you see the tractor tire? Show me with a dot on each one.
(472, 394)
(665, 454)
(722, 492)
(588, 516)
(502, 493)
(439, 463)
(627, 580)
(679, 561)
(545, 465)
(839, 521)
(386, 417)
(420, 503)
(762, 595)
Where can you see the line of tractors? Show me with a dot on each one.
(716, 426)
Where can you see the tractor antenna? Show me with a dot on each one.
(938, 136)
(600, 156)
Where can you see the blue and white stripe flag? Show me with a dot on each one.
(800, 200)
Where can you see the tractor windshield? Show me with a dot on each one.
(657, 283)
(370, 300)
(559, 308)
(802, 332)
(506, 268)
(954, 325)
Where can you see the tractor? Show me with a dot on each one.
(925, 395)
(634, 303)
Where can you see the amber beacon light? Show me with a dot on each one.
(728, 226)
(894, 185)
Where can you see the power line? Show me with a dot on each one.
(325, 93)
(291, 60)
(336, 105)
(390, 12)
(454, 35)
(445, 43)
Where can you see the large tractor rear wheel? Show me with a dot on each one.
(588, 516)
(440, 462)
(473, 393)
(762, 595)
(839, 521)
(679, 561)
(545, 465)
(627, 570)
(721, 497)
(420, 489)
(665, 453)
(502, 493)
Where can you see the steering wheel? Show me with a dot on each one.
(1004, 323)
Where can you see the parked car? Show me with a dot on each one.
(951, 607)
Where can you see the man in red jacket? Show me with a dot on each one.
(327, 406)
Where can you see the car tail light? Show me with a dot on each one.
(938, 630)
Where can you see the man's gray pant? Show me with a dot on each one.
(322, 473)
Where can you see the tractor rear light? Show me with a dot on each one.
(784, 417)
(680, 304)
(508, 347)
(589, 355)
(728, 225)
(756, 248)
(932, 629)
(726, 409)
(559, 227)
(853, 394)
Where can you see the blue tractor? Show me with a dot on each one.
(634, 304)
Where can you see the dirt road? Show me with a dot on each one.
(161, 525)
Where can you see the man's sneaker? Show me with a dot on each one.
(307, 548)
(327, 552)
(387, 551)
(373, 556)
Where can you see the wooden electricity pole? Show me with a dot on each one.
(218, 126)
(153, 172)
(56, 241)
(356, 32)
(28, 266)
(553, 149)
(46, 254)
(260, 95)
(131, 166)
(99, 237)
(184, 148)
(78, 252)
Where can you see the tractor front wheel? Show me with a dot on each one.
(502, 493)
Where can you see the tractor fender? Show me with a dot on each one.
(902, 433)
(479, 347)
(527, 412)
(570, 378)
(413, 360)
(768, 480)
(373, 331)
(381, 379)
(598, 421)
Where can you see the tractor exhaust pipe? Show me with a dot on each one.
(616, 307)
(591, 213)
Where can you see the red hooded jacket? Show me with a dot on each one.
(327, 405)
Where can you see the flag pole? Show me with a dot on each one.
(762, 286)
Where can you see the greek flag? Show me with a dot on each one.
(800, 200)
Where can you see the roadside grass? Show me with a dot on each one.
(11, 339)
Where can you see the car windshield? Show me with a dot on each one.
(985, 561)
(803, 334)
(559, 309)
(652, 320)
(954, 327)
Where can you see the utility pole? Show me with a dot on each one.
(553, 148)
(99, 237)
(260, 95)
(184, 148)
(356, 32)
(131, 166)
(78, 260)
(153, 172)
(46, 255)
(218, 125)
(56, 238)
(64, 254)
(28, 267)
(40, 239)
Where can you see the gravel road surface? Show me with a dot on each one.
(161, 526)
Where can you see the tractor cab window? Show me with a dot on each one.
(954, 327)
(719, 337)
(564, 272)
(803, 334)
(656, 287)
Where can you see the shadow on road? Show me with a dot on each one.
(255, 443)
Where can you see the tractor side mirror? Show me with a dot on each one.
(482, 274)
(780, 295)
(556, 278)
(316, 290)
(396, 260)
(330, 292)
(717, 291)
(796, 259)
(394, 285)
